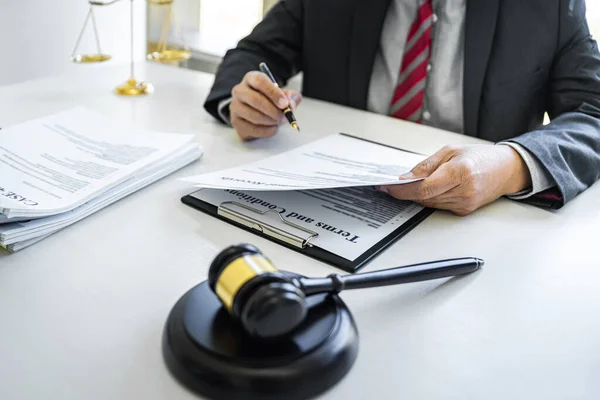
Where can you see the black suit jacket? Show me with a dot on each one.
(522, 58)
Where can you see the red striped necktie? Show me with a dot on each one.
(407, 102)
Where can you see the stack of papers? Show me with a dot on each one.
(57, 170)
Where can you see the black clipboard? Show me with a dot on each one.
(303, 245)
(299, 243)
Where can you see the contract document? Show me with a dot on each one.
(333, 162)
(318, 199)
(345, 227)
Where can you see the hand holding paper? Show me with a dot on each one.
(462, 179)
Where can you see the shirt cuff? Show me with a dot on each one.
(540, 178)
(223, 110)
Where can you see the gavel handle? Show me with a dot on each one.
(394, 276)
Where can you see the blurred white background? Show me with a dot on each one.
(593, 14)
(38, 36)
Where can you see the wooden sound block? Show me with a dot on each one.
(210, 354)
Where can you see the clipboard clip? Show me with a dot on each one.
(226, 211)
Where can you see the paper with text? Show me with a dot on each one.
(23, 231)
(57, 163)
(335, 161)
(348, 221)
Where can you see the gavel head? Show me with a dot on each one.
(262, 299)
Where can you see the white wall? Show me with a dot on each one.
(38, 36)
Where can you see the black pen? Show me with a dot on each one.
(394, 276)
(288, 111)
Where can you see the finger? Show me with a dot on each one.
(454, 201)
(294, 97)
(452, 196)
(261, 83)
(246, 112)
(248, 131)
(453, 207)
(257, 100)
(430, 164)
(438, 205)
(442, 180)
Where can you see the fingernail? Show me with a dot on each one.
(281, 102)
(408, 175)
(382, 189)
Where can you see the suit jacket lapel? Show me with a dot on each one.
(364, 41)
(479, 35)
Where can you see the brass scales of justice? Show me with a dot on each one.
(133, 87)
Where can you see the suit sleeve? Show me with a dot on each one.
(276, 40)
(569, 147)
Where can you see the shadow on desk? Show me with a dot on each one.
(412, 298)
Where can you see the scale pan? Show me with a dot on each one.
(160, 2)
(90, 58)
(169, 55)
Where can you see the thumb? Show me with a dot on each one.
(295, 98)
(428, 166)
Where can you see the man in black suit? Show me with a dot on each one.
(484, 68)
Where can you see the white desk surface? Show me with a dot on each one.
(82, 313)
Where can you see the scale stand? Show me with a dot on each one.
(133, 87)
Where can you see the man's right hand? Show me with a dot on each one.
(256, 105)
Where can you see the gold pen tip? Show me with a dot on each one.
(295, 126)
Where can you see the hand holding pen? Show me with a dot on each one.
(258, 104)
(287, 111)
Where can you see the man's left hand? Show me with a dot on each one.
(462, 179)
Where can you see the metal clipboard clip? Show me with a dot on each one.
(225, 211)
